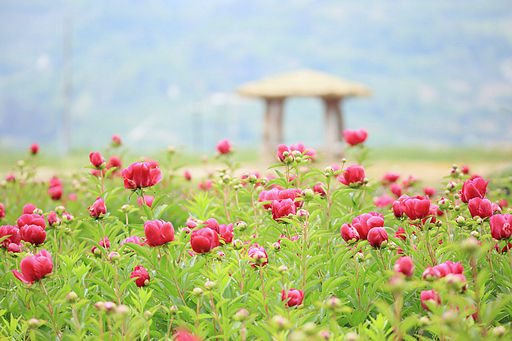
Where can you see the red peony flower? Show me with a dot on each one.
(480, 208)
(98, 209)
(355, 137)
(429, 296)
(352, 175)
(140, 175)
(142, 276)
(378, 237)
(501, 226)
(204, 240)
(33, 234)
(349, 233)
(158, 232)
(473, 189)
(34, 148)
(224, 146)
(365, 222)
(258, 255)
(12, 232)
(404, 265)
(283, 208)
(34, 268)
(97, 160)
(293, 297)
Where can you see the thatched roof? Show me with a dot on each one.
(303, 83)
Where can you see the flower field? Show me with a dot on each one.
(128, 249)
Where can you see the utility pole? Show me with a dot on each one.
(68, 80)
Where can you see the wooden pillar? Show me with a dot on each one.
(333, 126)
(273, 125)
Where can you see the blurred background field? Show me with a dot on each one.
(166, 72)
(428, 165)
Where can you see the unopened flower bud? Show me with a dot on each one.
(456, 196)
(33, 323)
(173, 310)
(324, 335)
(21, 163)
(366, 181)
(391, 246)
(289, 159)
(237, 244)
(241, 225)
(171, 149)
(148, 315)
(38, 211)
(450, 186)
(97, 252)
(334, 303)
(209, 285)
(197, 291)
(308, 193)
(302, 213)
(396, 284)
(296, 153)
(72, 297)
(282, 269)
(253, 178)
(460, 220)
(99, 305)
(309, 328)
(298, 159)
(285, 154)
(122, 311)
(114, 256)
(498, 331)
(109, 306)
(449, 317)
(343, 160)
(424, 321)
(439, 223)
(126, 208)
(478, 220)
(60, 209)
(241, 315)
(67, 218)
(470, 245)
(475, 234)
(351, 336)
(280, 322)
(276, 246)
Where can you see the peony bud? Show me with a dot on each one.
(33, 323)
(498, 331)
(282, 269)
(237, 244)
(280, 322)
(197, 291)
(470, 245)
(72, 297)
(241, 315)
(209, 285)
(114, 256)
(122, 311)
(334, 303)
(241, 226)
(351, 336)
(148, 315)
(424, 321)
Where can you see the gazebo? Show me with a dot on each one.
(330, 89)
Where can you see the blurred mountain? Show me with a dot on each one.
(164, 72)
